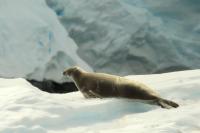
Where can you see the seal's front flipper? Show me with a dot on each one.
(95, 94)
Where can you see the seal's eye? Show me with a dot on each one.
(69, 72)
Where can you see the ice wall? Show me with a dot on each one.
(133, 36)
(33, 43)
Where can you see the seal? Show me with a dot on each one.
(102, 85)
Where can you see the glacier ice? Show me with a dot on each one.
(33, 43)
(133, 36)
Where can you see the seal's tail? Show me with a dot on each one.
(164, 103)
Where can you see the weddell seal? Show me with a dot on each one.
(101, 85)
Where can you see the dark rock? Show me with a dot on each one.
(54, 87)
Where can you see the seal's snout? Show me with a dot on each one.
(64, 73)
(71, 71)
(67, 72)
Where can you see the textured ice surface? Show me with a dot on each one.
(33, 43)
(26, 109)
(133, 36)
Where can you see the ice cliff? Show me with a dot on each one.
(33, 43)
(115, 36)
(133, 36)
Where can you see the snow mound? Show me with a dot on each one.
(133, 36)
(34, 44)
(25, 109)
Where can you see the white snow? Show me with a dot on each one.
(34, 44)
(140, 36)
(26, 109)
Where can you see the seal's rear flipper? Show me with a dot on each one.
(167, 103)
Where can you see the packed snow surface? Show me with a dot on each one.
(26, 109)
(34, 44)
(140, 36)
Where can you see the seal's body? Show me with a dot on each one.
(101, 85)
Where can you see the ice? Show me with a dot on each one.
(34, 44)
(24, 108)
(133, 36)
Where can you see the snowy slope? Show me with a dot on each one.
(25, 109)
(33, 44)
(140, 36)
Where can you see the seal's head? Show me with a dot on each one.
(72, 71)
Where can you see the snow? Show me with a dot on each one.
(26, 109)
(34, 44)
(140, 36)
